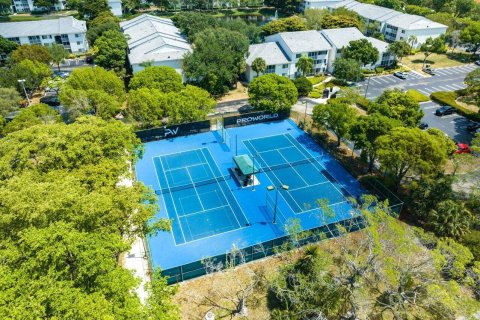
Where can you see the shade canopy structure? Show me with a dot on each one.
(245, 164)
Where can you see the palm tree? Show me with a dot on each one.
(450, 219)
(304, 65)
(259, 65)
(412, 40)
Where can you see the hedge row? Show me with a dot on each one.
(417, 95)
(449, 98)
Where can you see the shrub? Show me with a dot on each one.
(304, 86)
(449, 98)
(316, 80)
(417, 95)
(362, 103)
(315, 95)
(379, 70)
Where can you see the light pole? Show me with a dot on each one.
(253, 172)
(305, 114)
(366, 89)
(22, 81)
(270, 188)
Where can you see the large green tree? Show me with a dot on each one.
(104, 22)
(89, 8)
(217, 60)
(63, 242)
(336, 116)
(7, 46)
(147, 106)
(31, 116)
(366, 130)
(431, 46)
(111, 50)
(347, 70)
(410, 151)
(471, 35)
(293, 23)
(45, 3)
(165, 79)
(190, 104)
(362, 51)
(399, 48)
(92, 91)
(398, 105)
(191, 23)
(59, 53)
(314, 18)
(450, 219)
(9, 100)
(272, 92)
(32, 52)
(34, 73)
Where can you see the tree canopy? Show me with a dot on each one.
(111, 49)
(9, 100)
(98, 26)
(259, 65)
(398, 105)
(34, 73)
(7, 46)
(471, 35)
(431, 46)
(217, 60)
(336, 116)
(272, 92)
(399, 48)
(58, 53)
(362, 51)
(66, 220)
(304, 65)
(165, 79)
(88, 8)
(32, 52)
(347, 69)
(293, 23)
(31, 116)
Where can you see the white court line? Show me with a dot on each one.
(224, 195)
(311, 185)
(288, 162)
(323, 169)
(329, 205)
(195, 188)
(173, 201)
(279, 181)
(202, 212)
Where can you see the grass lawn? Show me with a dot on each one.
(415, 61)
(34, 17)
(241, 92)
(417, 95)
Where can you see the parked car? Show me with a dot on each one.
(473, 126)
(477, 62)
(444, 110)
(423, 125)
(61, 74)
(429, 71)
(401, 75)
(463, 148)
(89, 59)
(52, 101)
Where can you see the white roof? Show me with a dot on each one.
(269, 51)
(63, 25)
(414, 22)
(341, 37)
(304, 41)
(390, 16)
(155, 39)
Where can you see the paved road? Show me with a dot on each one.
(446, 79)
(454, 125)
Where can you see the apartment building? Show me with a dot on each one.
(27, 6)
(66, 31)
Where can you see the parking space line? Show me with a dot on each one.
(444, 88)
(423, 91)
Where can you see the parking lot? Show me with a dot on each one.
(445, 79)
(454, 125)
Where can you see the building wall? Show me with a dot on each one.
(422, 35)
(74, 42)
(27, 5)
(317, 4)
(115, 7)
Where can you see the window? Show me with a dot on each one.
(34, 40)
(298, 55)
(270, 69)
(285, 66)
(44, 37)
(77, 35)
(403, 31)
(284, 74)
(15, 39)
(322, 52)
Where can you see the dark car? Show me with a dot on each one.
(477, 62)
(52, 101)
(401, 75)
(429, 71)
(423, 125)
(445, 110)
(473, 126)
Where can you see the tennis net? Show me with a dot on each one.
(266, 168)
(193, 184)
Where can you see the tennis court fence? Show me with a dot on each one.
(261, 250)
(172, 131)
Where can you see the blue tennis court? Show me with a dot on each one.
(286, 162)
(198, 188)
(196, 197)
